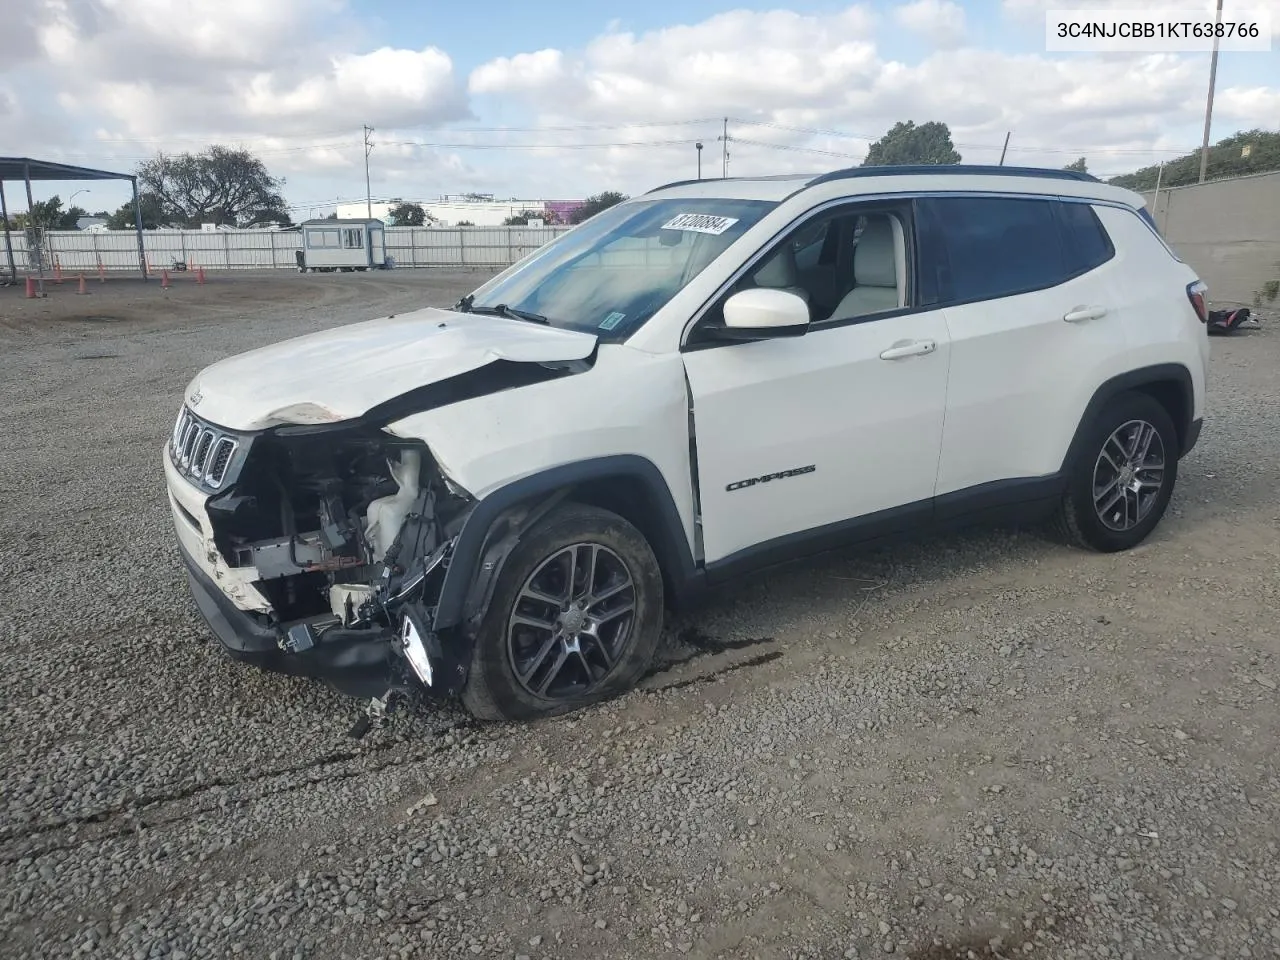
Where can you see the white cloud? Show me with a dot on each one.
(941, 22)
(159, 69)
(825, 72)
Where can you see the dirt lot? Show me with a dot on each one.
(988, 745)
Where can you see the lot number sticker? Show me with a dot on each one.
(612, 320)
(700, 223)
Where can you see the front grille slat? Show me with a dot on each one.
(201, 451)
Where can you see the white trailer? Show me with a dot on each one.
(342, 245)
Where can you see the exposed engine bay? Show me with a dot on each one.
(349, 532)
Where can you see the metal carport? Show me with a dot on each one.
(28, 170)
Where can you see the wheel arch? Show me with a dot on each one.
(1169, 384)
(629, 485)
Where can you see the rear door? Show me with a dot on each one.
(1033, 329)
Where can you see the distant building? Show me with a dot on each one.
(96, 224)
(479, 209)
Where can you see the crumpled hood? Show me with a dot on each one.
(341, 373)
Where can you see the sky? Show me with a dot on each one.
(561, 100)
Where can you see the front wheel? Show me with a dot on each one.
(1121, 485)
(575, 618)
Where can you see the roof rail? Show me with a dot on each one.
(952, 169)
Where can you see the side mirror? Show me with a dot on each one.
(762, 313)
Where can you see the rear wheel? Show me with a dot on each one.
(1121, 485)
(575, 618)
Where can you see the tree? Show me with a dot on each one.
(906, 143)
(1078, 166)
(49, 215)
(222, 186)
(522, 218)
(409, 215)
(595, 204)
(464, 223)
(123, 218)
(1250, 151)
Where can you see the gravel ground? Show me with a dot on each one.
(982, 746)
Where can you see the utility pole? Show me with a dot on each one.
(1005, 147)
(724, 138)
(699, 145)
(368, 192)
(1208, 107)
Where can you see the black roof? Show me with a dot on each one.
(19, 168)
(908, 170)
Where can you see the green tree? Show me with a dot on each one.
(49, 215)
(408, 215)
(221, 185)
(1250, 151)
(522, 218)
(905, 143)
(1078, 166)
(595, 204)
(123, 218)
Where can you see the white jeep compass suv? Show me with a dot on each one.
(500, 500)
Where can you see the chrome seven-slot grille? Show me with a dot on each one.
(201, 451)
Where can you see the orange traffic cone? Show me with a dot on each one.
(164, 280)
(57, 270)
(31, 288)
(102, 273)
(200, 275)
(82, 289)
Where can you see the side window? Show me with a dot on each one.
(979, 248)
(353, 238)
(845, 264)
(1084, 237)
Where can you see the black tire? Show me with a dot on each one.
(1082, 523)
(495, 690)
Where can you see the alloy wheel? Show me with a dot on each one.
(572, 622)
(1128, 475)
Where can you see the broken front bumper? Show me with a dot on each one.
(360, 666)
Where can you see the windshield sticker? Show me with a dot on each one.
(612, 320)
(700, 223)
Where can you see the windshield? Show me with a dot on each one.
(612, 273)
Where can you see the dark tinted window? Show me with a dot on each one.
(1087, 243)
(981, 248)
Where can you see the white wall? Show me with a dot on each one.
(81, 251)
(448, 212)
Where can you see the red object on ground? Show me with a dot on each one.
(199, 274)
(164, 279)
(82, 290)
(31, 288)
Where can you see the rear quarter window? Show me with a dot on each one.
(1084, 238)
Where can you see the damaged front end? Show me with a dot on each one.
(322, 550)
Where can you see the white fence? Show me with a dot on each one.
(78, 251)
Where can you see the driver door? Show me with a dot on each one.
(803, 442)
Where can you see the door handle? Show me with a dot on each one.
(1085, 313)
(910, 348)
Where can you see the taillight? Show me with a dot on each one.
(1195, 293)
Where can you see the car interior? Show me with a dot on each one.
(844, 267)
